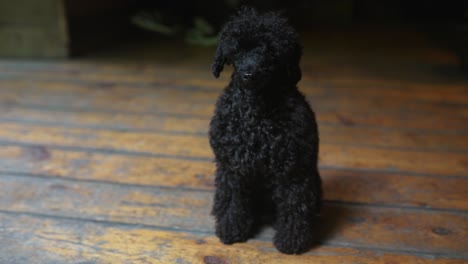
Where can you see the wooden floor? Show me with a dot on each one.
(106, 159)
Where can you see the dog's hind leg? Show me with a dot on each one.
(232, 207)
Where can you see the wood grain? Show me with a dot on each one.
(105, 162)
(363, 226)
(342, 155)
(345, 107)
(325, 96)
(135, 120)
(398, 161)
(365, 136)
(339, 185)
(52, 240)
(150, 75)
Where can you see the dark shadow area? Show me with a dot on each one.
(334, 215)
(332, 219)
(79, 28)
(106, 25)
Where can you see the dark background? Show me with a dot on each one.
(76, 28)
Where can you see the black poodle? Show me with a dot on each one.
(264, 135)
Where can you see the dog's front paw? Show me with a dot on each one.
(232, 230)
(294, 241)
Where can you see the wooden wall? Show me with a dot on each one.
(31, 28)
(58, 28)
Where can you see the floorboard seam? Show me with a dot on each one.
(106, 223)
(107, 151)
(179, 188)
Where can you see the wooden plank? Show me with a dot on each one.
(339, 185)
(114, 121)
(419, 88)
(52, 240)
(40, 92)
(354, 73)
(397, 120)
(187, 122)
(174, 77)
(337, 109)
(348, 156)
(121, 103)
(182, 145)
(365, 136)
(80, 68)
(416, 89)
(342, 66)
(422, 231)
(95, 166)
(398, 90)
(394, 160)
(357, 75)
(395, 189)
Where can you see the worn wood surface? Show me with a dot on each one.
(103, 242)
(109, 162)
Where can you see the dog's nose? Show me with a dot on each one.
(246, 76)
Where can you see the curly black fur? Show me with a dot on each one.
(264, 134)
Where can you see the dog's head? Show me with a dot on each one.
(260, 47)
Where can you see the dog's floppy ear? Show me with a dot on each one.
(218, 63)
(293, 67)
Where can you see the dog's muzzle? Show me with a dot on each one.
(247, 76)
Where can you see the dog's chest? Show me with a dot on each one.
(247, 132)
(251, 134)
(251, 140)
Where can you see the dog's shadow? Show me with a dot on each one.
(335, 215)
(329, 225)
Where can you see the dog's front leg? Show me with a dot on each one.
(232, 207)
(297, 205)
